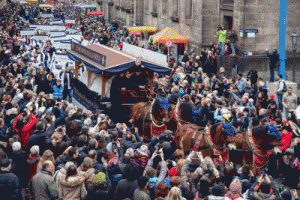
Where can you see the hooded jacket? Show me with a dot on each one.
(73, 188)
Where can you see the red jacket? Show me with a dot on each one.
(286, 139)
(25, 132)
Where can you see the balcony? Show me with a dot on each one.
(174, 18)
(154, 14)
(117, 7)
(128, 10)
(110, 3)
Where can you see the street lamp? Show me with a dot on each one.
(294, 38)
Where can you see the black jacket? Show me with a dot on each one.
(174, 98)
(19, 158)
(9, 186)
(37, 138)
(97, 191)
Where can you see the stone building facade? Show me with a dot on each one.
(199, 19)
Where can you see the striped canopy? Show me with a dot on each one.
(168, 34)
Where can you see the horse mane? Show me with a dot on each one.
(258, 130)
(185, 109)
(213, 128)
(156, 107)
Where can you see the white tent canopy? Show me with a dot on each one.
(83, 5)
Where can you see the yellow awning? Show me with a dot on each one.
(142, 29)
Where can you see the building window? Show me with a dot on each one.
(146, 4)
(175, 8)
(155, 2)
(189, 9)
(164, 7)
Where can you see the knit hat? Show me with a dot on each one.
(173, 171)
(113, 162)
(272, 96)
(100, 178)
(216, 190)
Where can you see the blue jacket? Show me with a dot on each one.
(58, 92)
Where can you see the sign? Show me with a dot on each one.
(250, 53)
(169, 44)
(174, 51)
(241, 34)
(62, 45)
(93, 55)
(47, 15)
(250, 35)
(154, 57)
(55, 34)
(38, 38)
(27, 33)
(70, 21)
(249, 30)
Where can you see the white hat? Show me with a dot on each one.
(143, 150)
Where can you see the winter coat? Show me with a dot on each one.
(73, 188)
(97, 191)
(37, 138)
(125, 189)
(141, 194)
(140, 161)
(289, 101)
(9, 185)
(286, 139)
(43, 186)
(241, 85)
(19, 158)
(32, 161)
(26, 130)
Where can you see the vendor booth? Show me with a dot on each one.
(169, 35)
(94, 13)
(103, 64)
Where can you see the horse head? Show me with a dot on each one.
(266, 138)
(161, 110)
(220, 137)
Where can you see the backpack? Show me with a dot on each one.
(284, 87)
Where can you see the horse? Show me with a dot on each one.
(255, 146)
(151, 118)
(211, 141)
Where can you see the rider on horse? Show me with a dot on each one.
(245, 121)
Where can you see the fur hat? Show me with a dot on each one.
(143, 150)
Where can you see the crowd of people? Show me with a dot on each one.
(51, 149)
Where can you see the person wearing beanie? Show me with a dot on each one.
(142, 193)
(245, 120)
(141, 158)
(216, 193)
(99, 188)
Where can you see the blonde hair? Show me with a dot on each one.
(174, 194)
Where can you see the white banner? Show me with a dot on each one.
(146, 54)
(27, 32)
(38, 38)
(50, 28)
(54, 34)
(72, 31)
(76, 37)
(70, 21)
(62, 45)
(47, 15)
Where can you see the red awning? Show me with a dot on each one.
(95, 13)
(135, 33)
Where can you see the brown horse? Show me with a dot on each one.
(255, 146)
(151, 118)
(207, 140)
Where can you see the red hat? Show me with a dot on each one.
(173, 171)
(272, 96)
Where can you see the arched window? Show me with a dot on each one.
(175, 8)
(188, 9)
(164, 8)
(155, 2)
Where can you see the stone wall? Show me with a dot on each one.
(259, 63)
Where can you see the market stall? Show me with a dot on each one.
(94, 13)
(142, 29)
